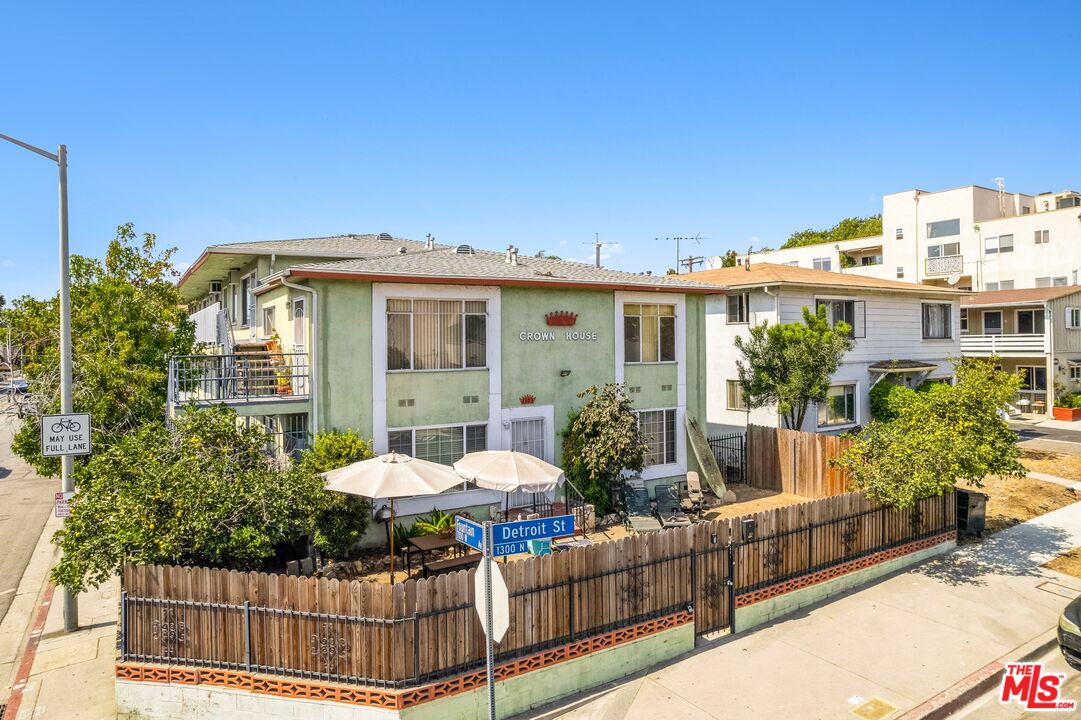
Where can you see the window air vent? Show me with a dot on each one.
(470, 399)
(463, 250)
(666, 388)
(406, 402)
(635, 389)
(385, 237)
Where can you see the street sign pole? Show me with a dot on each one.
(67, 482)
(490, 624)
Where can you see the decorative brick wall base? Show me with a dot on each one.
(391, 699)
(843, 569)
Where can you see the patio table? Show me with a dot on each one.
(425, 544)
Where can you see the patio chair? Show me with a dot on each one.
(639, 515)
(694, 499)
(668, 511)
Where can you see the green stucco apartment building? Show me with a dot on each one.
(435, 350)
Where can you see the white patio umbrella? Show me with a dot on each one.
(392, 476)
(508, 471)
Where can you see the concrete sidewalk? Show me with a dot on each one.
(48, 673)
(901, 641)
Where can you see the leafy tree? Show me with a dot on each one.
(729, 259)
(340, 519)
(847, 229)
(126, 319)
(670, 271)
(790, 365)
(204, 493)
(939, 436)
(542, 254)
(887, 399)
(601, 441)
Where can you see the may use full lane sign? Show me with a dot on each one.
(65, 434)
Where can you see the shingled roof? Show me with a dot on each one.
(448, 265)
(1021, 296)
(760, 273)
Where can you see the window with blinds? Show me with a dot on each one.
(649, 333)
(436, 334)
(444, 445)
(658, 428)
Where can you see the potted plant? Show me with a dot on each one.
(1067, 407)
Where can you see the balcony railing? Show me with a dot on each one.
(206, 323)
(945, 265)
(1034, 344)
(243, 377)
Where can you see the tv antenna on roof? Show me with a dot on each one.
(697, 238)
(597, 245)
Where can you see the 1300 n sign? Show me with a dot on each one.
(65, 434)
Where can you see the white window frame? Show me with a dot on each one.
(1073, 318)
(247, 309)
(674, 441)
(413, 339)
(859, 313)
(1041, 237)
(855, 385)
(941, 248)
(530, 412)
(949, 320)
(827, 261)
(1075, 373)
(412, 429)
(300, 329)
(380, 292)
(675, 334)
(963, 321)
(744, 304)
(268, 313)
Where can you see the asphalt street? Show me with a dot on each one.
(1032, 432)
(990, 707)
(25, 503)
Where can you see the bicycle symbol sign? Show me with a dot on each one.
(65, 434)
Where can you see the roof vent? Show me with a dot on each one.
(401, 250)
(385, 237)
(463, 250)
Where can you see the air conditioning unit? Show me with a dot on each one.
(215, 286)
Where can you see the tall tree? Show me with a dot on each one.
(847, 229)
(204, 492)
(790, 365)
(600, 442)
(936, 437)
(728, 259)
(126, 319)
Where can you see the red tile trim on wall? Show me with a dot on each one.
(839, 570)
(391, 699)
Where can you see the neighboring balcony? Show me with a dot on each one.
(254, 377)
(945, 265)
(1004, 345)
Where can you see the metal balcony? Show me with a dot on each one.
(945, 265)
(1005, 345)
(239, 378)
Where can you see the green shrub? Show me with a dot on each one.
(1073, 400)
(342, 518)
(434, 523)
(888, 398)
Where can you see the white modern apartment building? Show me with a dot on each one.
(971, 238)
(903, 333)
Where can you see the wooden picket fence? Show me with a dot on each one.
(423, 630)
(795, 462)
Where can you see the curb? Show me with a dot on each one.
(968, 689)
(26, 664)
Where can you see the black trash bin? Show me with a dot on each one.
(971, 512)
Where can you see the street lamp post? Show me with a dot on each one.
(71, 607)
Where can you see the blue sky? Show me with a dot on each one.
(537, 124)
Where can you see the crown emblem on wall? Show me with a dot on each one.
(561, 317)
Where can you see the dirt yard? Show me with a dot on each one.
(1068, 563)
(751, 500)
(1014, 500)
(1052, 463)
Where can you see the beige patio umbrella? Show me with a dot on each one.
(508, 471)
(392, 476)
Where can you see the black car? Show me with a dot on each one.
(1069, 634)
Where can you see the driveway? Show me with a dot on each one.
(897, 642)
(1029, 432)
(25, 503)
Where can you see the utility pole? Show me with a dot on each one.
(71, 607)
(690, 261)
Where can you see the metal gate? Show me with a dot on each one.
(731, 454)
(714, 592)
